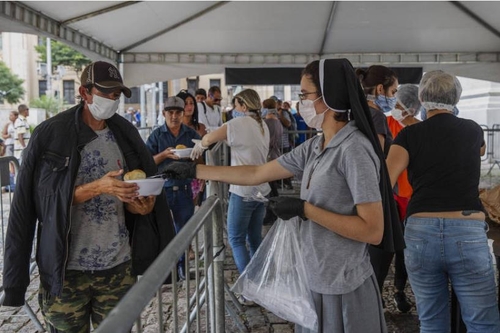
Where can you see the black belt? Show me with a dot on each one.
(179, 188)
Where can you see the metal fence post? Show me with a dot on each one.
(218, 240)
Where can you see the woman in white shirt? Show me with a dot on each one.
(248, 137)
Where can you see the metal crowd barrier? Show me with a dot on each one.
(6, 164)
(209, 288)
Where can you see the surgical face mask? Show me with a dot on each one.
(264, 112)
(308, 112)
(386, 103)
(397, 114)
(103, 108)
(237, 114)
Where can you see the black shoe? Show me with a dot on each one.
(402, 302)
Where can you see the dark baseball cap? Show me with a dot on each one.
(174, 103)
(104, 75)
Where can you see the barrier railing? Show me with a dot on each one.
(129, 309)
(10, 165)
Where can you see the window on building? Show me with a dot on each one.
(279, 91)
(215, 82)
(69, 91)
(1, 42)
(165, 90)
(136, 96)
(192, 85)
(294, 91)
(42, 87)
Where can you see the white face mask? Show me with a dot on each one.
(308, 112)
(103, 108)
(397, 114)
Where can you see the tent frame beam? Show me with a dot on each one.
(328, 26)
(175, 26)
(476, 18)
(51, 28)
(99, 12)
(356, 59)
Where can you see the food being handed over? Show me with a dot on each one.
(134, 175)
(180, 147)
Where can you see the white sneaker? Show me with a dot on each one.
(244, 301)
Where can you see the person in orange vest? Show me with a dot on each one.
(404, 114)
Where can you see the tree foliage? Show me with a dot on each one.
(63, 55)
(11, 85)
(51, 105)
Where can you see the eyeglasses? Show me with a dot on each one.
(303, 96)
(217, 99)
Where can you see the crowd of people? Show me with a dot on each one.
(377, 184)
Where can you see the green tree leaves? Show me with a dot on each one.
(11, 88)
(63, 55)
(50, 104)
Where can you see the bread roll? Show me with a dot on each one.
(134, 175)
(180, 147)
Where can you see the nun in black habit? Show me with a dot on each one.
(345, 200)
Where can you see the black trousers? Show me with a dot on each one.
(381, 262)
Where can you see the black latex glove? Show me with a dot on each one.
(180, 170)
(286, 208)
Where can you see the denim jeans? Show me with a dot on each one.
(182, 207)
(440, 251)
(244, 223)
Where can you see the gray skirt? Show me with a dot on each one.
(359, 311)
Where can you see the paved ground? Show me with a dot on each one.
(254, 318)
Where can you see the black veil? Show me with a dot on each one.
(342, 90)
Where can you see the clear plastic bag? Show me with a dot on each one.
(276, 277)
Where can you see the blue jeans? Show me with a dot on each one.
(244, 223)
(181, 204)
(441, 251)
(182, 207)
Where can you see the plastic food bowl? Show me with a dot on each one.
(148, 186)
(182, 153)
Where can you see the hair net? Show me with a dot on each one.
(439, 90)
(407, 96)
(423, 114)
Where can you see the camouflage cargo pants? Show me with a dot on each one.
(87, 296)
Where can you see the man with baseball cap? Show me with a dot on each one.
(162, 144)
(88, 249)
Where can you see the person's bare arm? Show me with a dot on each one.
(108, 184)
(243, 174)
(397, 161)
(215, 136)
(367, 226)
(284, 121)
(381, 138)
(5, 132)
(163, 155)
(482, 151)
(21, 140)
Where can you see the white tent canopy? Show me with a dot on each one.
(163, 40)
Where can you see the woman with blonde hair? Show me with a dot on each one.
(248, 136)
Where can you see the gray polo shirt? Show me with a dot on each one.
(346, 173)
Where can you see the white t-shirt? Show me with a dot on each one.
(12, 132)
(249, 146)
(211, 118)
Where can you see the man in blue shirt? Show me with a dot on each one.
(160, 143)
